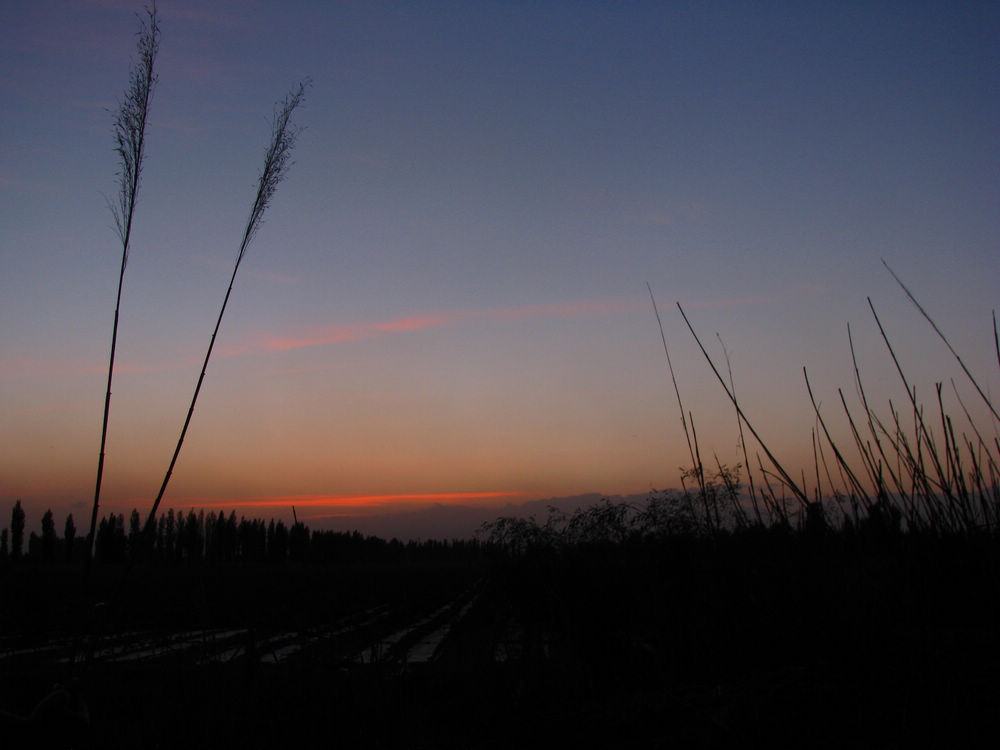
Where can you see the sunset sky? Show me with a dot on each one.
(447, 302)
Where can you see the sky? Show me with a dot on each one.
(446, 305)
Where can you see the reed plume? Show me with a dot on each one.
(130, 138)
(277, 160)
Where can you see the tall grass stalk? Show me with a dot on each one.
(277, 160)
(130, 137)
(854, 483)
(696, 464)
(924, 471)
(786, 479)
(996, 338)
(986, 399)
(743, 443)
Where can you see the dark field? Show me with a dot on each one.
(830, 640)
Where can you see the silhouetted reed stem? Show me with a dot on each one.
(785, 478)
(937, 484)
(947, 343)
(276, 163)
(130, 134)
(695, 462)
(743, 443)
(996, 338)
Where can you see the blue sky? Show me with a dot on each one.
(448, 293)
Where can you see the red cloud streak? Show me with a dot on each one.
(353, 502)
(335, 334)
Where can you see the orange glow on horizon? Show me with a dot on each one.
(348, 503)
(365, 501)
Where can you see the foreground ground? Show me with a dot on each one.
(767, 636)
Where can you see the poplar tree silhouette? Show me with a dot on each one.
(16, 530)
(48, 536)
(69, 535)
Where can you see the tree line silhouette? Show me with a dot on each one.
(216, 537)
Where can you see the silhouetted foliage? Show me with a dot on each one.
(48, 543)
(69, 538)
(134, 531)
(111, 542)
(278, 542)
(216, 538)
(298, 542)
(169, 543)
(17, 531)
(252, 540)
(191, 539)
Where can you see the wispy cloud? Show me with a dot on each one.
(19, 367)
(316, 336)
(589, 308)
(279, 278)
(325, 367)
(730, 302)
(793, 292)
(415, 322)
(337, 334)
(226, 265)
(61, 407)
(22, 366)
